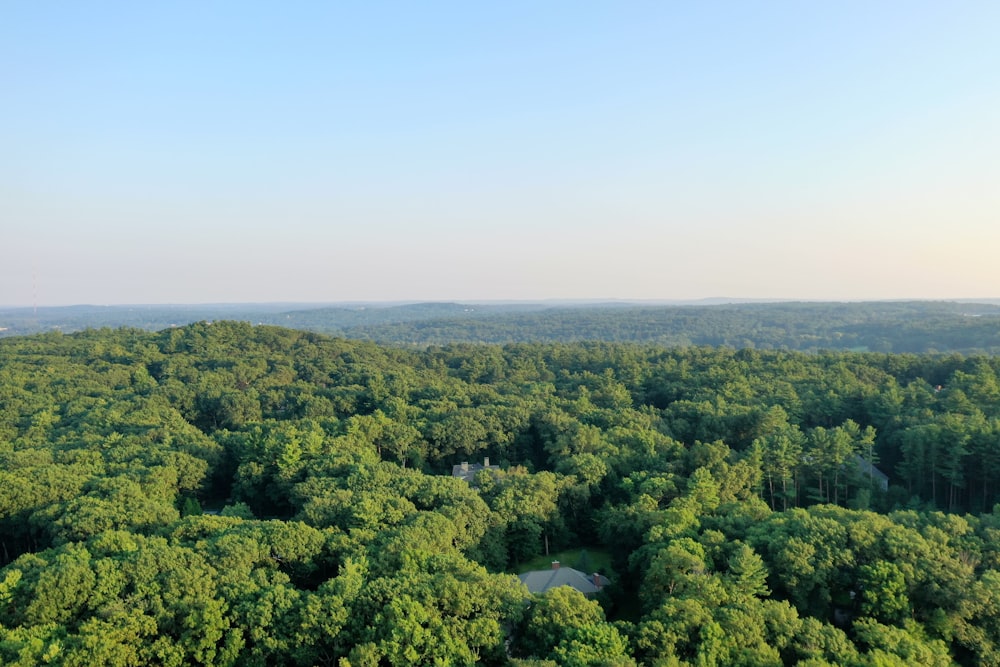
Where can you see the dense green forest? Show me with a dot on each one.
(919, 326)
(339, 319)
(877, 327)
(228, 494)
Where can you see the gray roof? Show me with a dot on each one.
(467, 471)
(539, 581)
(871, 471)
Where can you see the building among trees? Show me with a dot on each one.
(467, 471)
(541, 581)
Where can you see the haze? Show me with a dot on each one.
(236, 152)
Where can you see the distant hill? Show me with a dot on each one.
(22, 321)
(345, 318)
(870, 326)
(892, 326)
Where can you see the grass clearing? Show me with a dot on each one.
(585, 559)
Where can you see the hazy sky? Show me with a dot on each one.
(270, 151)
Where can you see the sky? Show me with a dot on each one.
(207, 152)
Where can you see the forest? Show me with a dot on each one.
(230, 494)
(892, 326)
(969, 328)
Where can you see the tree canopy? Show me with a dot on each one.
(233, 494)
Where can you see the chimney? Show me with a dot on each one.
(597, 581)
(465, 466)
(486, 462)
(555, 565)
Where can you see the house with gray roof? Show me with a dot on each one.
(876, 476)
(467, 471)
(539, 581)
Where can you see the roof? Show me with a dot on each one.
(871, 471)
(467, 471)
(539, 581)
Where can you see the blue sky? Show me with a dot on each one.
(210, 152)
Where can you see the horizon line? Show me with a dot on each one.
(710, 300)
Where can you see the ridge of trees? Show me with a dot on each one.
(901, 327)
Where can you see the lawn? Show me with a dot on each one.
(585, 559)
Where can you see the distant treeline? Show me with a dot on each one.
(914, 327)
(910, 327)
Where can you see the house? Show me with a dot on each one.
(540, 581)
(467, 471)
(869, 470)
